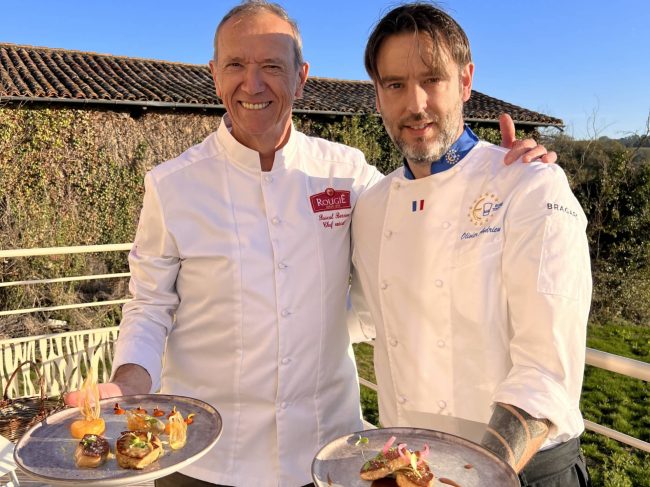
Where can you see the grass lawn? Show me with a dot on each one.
(609, 399)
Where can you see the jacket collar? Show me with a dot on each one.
(248, 158)
(456, 153)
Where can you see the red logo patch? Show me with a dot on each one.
(330, 199)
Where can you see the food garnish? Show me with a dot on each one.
(117, 409)
(137, 442)
(88, 440)
(90, 409)
(388, 444)
(190, 418)
(408, 465)
(177, 431)
(137, 421)
(158, 412)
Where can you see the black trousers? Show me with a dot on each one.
(561, 466)
(180, 480)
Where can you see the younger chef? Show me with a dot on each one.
(477, 276)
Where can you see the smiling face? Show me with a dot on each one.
(256, 76)
(420, 98)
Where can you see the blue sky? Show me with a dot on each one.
(571, 59)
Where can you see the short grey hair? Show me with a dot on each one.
(254, 7)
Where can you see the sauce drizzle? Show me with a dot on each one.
(444, 480)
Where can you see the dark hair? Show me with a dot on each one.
(419, 18)
(253, 7)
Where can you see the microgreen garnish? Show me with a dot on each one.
(137, 442)
(89, 440)
(414, 464)
(362, 441)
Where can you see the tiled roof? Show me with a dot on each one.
(39, 73)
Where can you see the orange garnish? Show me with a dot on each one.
(139, 410)
(190, 418)
(157, 412)
(82, 427)
(90, 409)
(172, 413)
(117, 409)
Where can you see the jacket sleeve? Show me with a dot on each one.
(546, 269)
(154, 265)
(359, 320)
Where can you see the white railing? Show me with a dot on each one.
(607, 361)
(7, 254)
(62, 358)
(64, 355)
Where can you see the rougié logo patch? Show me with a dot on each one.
(330, 199)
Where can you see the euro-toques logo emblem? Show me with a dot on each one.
(483, 208)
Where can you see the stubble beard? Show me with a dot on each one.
(425, 151)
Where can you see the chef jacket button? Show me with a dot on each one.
(282, 265)
(285, 312)
(441, 343)
(438, 283)
(268, 178)
(285, 361)
(396, 185)
(446, 225)
(275, 220)
(442, 404)
(384, 285)
(388, 233)
(401, 399)
(393, 342)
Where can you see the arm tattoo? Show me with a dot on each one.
(514, 435)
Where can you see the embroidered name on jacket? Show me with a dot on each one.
(329, 200)
(563, 209)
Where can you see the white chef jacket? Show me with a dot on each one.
(478, 281)
(245, 274)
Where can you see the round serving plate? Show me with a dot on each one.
(46, 451)
(453, 460)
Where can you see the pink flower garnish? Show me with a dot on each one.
(388, 444)
(401, 449)
(424, 453)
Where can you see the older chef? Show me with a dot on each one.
(477, 276)
(240, 269)
(241, 262)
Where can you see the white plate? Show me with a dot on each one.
(453, 460)
(46, 451)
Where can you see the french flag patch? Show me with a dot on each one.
(417, 205)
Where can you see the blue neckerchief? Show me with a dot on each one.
(456, 152)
